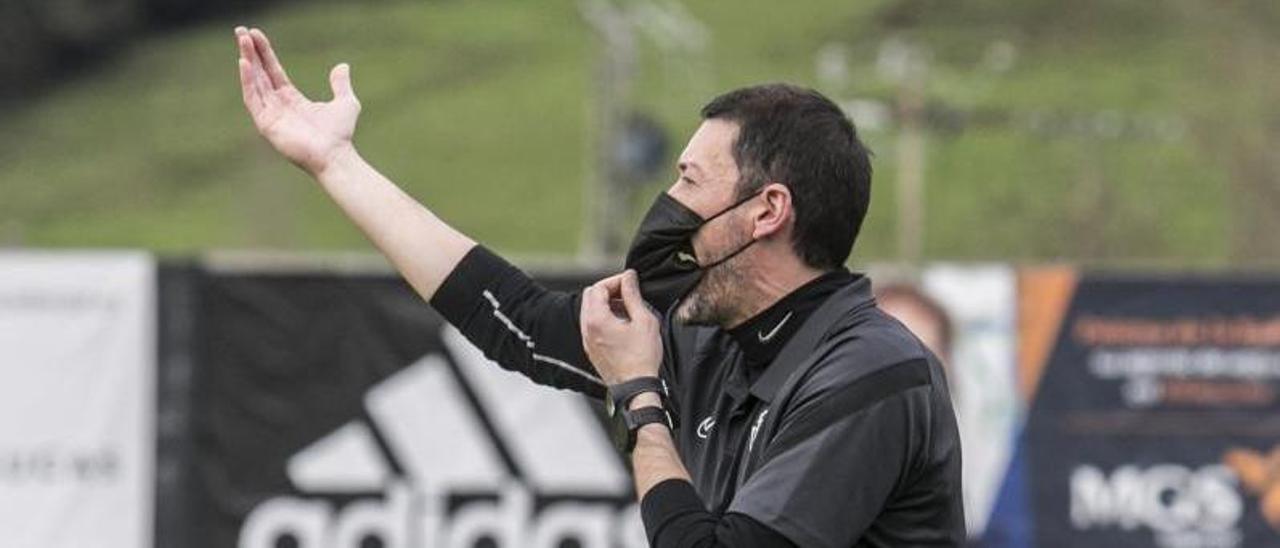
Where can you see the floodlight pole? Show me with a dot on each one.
(911, 156)
(606, 194)
(911, 160)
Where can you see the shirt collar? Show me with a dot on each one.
(762, 336)
(852, 293)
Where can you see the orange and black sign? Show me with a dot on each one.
(1154, 413)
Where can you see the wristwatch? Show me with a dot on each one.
(619, 396)
(624, 422)
(624, 425)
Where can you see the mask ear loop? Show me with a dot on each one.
(729, 256)
(734, 206)
(744, 247)
(703, 268)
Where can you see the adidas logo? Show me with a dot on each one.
(456, 453)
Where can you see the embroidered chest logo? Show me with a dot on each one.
(755, 429)
(704, 427)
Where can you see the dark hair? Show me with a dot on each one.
(799, 138)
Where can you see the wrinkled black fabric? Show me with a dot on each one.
(853, 445)
(517, 323)
(662, 252)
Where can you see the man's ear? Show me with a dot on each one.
(777, 213)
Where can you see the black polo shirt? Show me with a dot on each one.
(854, 444)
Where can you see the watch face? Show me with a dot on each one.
(619, 434)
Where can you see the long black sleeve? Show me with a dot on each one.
(675, 517)
(517, 323)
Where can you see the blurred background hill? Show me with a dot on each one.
(1096, 131)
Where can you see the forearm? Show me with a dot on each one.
(674, 515)
(654, 458)
(421, 246)
(516, 322)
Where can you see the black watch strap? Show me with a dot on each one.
(647, 415)
(636, 418)
(621, 394)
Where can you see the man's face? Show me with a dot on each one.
(707, 184)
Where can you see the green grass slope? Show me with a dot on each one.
(481, 110)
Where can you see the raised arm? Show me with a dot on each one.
(317, 137)
(514, 321)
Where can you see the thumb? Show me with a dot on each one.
(340, 81)
(631, 297)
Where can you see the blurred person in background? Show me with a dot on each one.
(766, 401)
(922, 314)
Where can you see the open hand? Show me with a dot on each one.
(623, 342)
(308, 133)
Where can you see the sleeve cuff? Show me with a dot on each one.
(478, 270)
(666, 501)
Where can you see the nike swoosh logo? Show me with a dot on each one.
(704, 427)
(682, 256)
(766, 337)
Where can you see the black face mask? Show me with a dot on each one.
(662, 251)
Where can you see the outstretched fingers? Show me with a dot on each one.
(270, 63)
(250, 54)
(252, 99)
(249, 87)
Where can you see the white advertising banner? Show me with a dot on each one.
(77, 393)
(966, 314)
(980, 300)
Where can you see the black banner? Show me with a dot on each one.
(336, 412)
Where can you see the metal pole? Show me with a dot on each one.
(911, 160)
(607, 196)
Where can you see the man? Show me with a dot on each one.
(772, 404)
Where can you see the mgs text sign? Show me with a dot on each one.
(77, 364)
(1155, 423)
